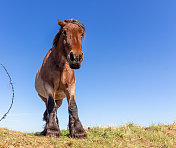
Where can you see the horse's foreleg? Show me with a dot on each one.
(75, 127)
(52, 127)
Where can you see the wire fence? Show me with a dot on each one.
(13, 94)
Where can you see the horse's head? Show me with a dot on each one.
(72, 32)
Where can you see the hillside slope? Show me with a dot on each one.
(125, 136)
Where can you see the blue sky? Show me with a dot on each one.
(129, 67)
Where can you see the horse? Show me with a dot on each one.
(55, 79)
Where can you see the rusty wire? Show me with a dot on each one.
(13, 94)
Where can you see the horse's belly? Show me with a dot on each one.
(44, 89)
(39, 85)
(59, 95)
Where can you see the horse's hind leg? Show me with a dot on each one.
(50, 115)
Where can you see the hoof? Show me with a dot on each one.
(79, 134)
(51, 133)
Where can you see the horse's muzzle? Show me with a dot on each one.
(75, 66)
(75, 60)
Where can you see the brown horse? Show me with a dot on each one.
(55, 79)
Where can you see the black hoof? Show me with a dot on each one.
(79, 133)
(51, 133)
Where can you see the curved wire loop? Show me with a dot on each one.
(13, 94)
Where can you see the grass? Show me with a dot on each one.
(129, 135)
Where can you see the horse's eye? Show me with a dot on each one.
(64, 32)
(82, 35)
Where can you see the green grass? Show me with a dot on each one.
(129, 135)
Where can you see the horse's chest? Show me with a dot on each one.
(59, 95)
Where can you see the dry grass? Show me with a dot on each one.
(129, 135)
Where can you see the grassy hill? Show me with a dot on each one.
(129, 135)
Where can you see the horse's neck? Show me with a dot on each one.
(59, 56)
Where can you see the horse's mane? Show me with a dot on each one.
(57, 36)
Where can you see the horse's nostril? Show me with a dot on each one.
(71, 56)
(80, 57)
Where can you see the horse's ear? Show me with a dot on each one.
(61, 23)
